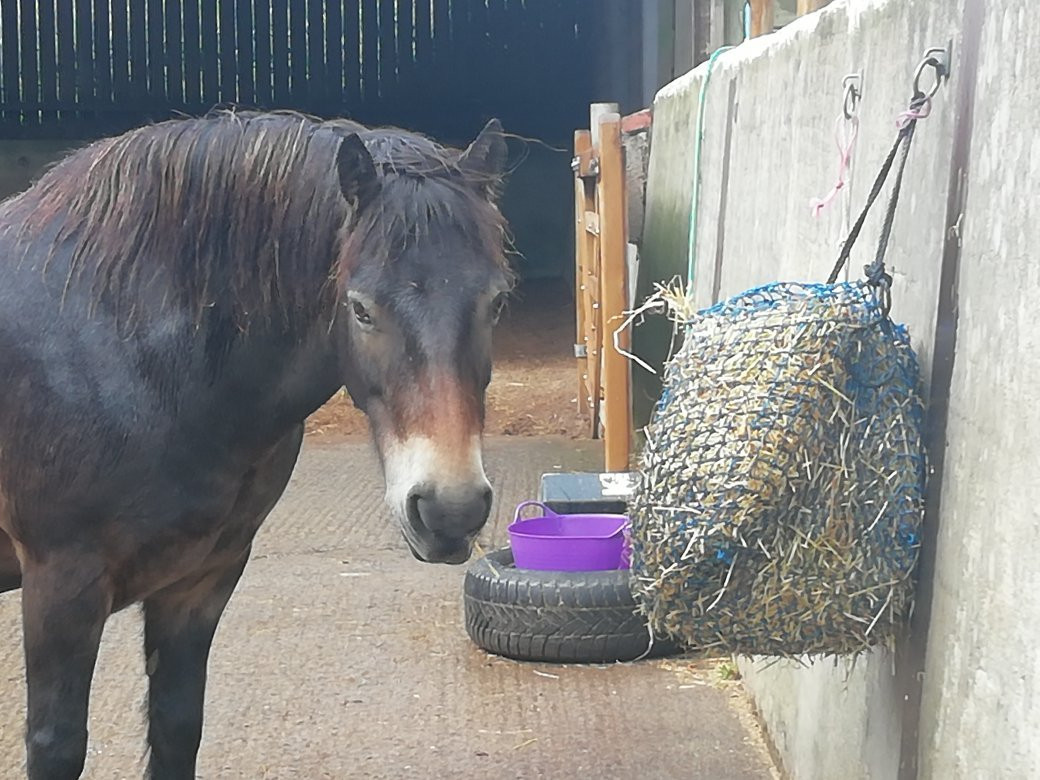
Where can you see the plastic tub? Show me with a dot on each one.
(555, 542)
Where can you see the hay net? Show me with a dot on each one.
(782, 480)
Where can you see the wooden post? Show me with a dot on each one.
(617, 405)
(808, 6)
(596, 112)
(593, 321)
(583, 202)
(763, 14)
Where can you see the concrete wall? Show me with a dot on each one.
(982, 690)
(981, 703)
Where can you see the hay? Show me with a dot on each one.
(783, 476)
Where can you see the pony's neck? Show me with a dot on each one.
(279, 379)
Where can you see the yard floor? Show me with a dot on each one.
(340, 656)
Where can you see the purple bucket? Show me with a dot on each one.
(555, 542)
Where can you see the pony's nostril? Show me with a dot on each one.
(414, 515)
(452, 512)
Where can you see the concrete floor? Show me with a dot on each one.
(342, 657)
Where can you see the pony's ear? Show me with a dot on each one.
(485, 159)
(357, 172)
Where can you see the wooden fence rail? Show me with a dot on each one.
(604, 379)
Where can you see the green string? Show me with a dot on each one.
(691, 250)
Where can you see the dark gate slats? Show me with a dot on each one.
(518, 23)
(423, 72)
(298, 53)
(500, 40)
(191, 26)
(405, 54)
(30, 72)
(423, 33)
(280, 51)
(156, 53)
(138, 50)
(387, 50)
(66, 34)
(369, 52)
(174, 42)
(102, 54)
(334, 57)
(351, 58)
(47, 30)
(80, 68)
(262, 45)
(84, 55)
(246, 56)
(226, 47)
(317, 78)
(441, 34)
(209, 53)
(480, 52)
(120, 32)
(460, 40)
(11, 93)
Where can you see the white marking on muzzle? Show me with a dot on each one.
(417, 461)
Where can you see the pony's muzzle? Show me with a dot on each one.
(458, 512)
(440, 494)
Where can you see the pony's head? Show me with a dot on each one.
(422, 281)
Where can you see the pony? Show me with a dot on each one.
(174, 302)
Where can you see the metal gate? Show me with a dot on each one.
(82, 68)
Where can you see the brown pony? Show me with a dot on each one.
(173, 303)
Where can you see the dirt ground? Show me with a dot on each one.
(533, 390)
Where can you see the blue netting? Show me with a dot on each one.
(783, 477)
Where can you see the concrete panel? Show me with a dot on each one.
(662, 253)
(829, 719)
(981, 709)
(982, 687)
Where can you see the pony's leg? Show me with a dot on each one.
(65, 603)
(180, 621)
(178, 632)
(10, 569)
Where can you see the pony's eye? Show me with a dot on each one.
(360, 314)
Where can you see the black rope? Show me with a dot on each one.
(875, 271)
(875, 190)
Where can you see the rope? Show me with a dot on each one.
(920, 107)
(845, 144)
(691, 249)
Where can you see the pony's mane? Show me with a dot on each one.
(236, 211)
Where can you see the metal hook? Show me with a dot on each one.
(851, 94)
(938, 59)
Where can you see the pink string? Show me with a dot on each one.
(845, 150)
(913, 114)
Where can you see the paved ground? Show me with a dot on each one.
(342, 657)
